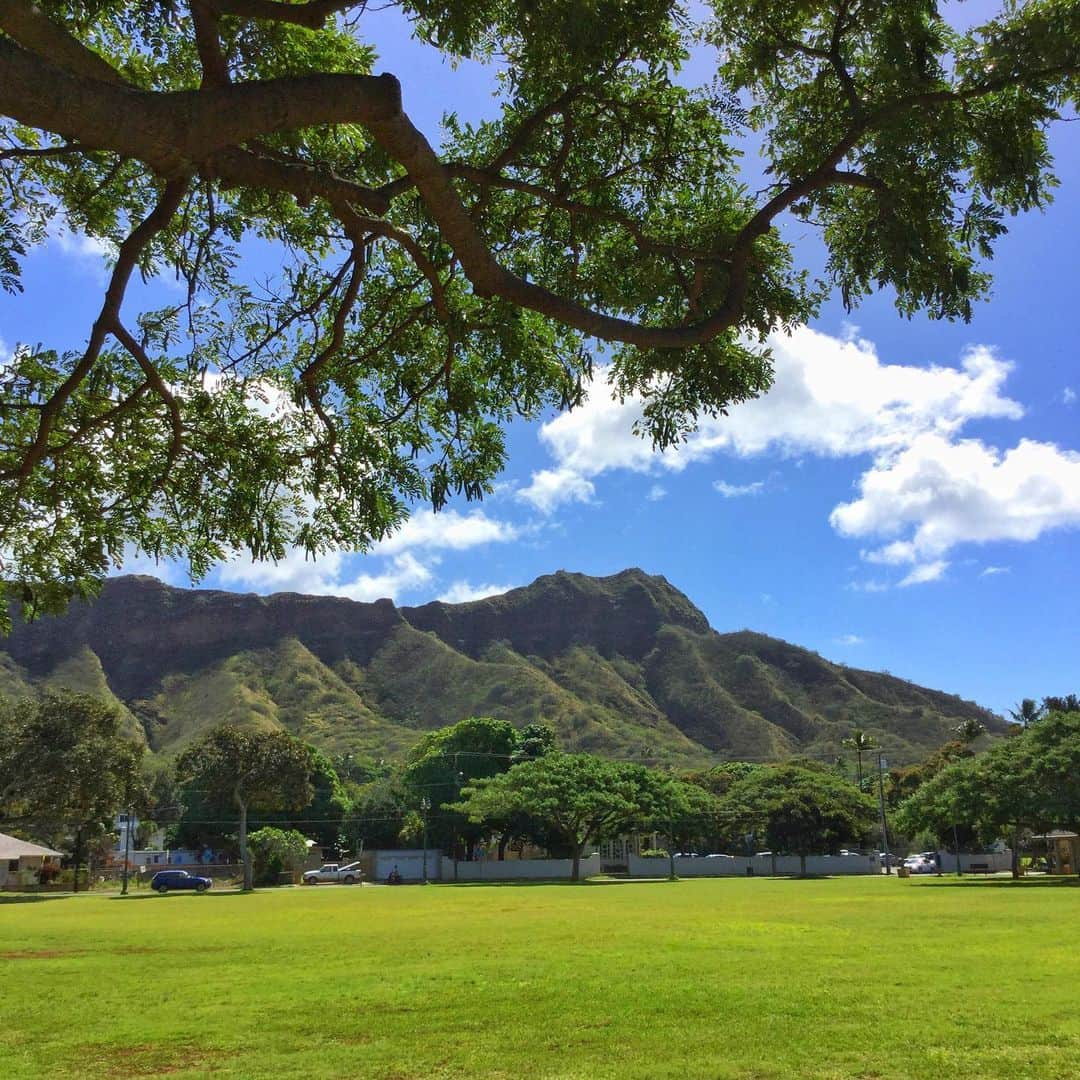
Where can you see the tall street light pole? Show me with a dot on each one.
(424, 807)
(127, 852)
(881, 801)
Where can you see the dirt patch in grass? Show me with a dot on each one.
(153, 1059)
(40, 954)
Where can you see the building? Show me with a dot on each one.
(153, 854)
(1063, 851)
(21, 863)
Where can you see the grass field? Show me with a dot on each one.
(865, 977)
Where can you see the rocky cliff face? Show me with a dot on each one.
(621, 665)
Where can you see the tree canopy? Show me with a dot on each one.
(447, 759)
(798, 811)
(66, 767)
(1028, 781)
(428, 294)
(255, 770)
(580, 798)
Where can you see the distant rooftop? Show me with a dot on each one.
(13, 848)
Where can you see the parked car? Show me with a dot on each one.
(334, 874)
(919, 864)
(164, 880)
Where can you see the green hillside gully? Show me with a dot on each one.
(623, 665)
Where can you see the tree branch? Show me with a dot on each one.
(107, 321)
(204, 16)
(312, 14)
(25, 22)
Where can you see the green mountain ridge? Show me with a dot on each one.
(623, 665)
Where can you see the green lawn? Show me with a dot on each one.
(868, 977)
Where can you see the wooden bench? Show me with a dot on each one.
(979, 868)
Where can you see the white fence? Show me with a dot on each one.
(759, 865)
(518, 869)
(994, 861)
(409, 863)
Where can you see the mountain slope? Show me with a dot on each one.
(623, 665)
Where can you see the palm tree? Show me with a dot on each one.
(861, 743)
(967, 731)
(1026, 713)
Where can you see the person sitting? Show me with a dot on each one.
(394, 877)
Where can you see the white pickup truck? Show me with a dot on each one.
(334, 874)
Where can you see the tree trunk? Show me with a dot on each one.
(575, 873)
(245, 854)
(802, 864)
(1015, 867)
(772, 855)
(503, 841)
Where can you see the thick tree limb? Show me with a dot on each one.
(35, 31)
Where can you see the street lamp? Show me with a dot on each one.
(425, 806)
(882, 765)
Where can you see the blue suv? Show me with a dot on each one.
(164, 880)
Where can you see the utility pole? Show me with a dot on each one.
(457, 796)
(425, 806)
(884, 823)
(671, 850)
(127, 852)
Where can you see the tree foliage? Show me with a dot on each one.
(256, 770)
(66, 768)
(579, 798)
(276, 851)
(444, 762)
(798, 811)
(428, 295)
(1029, 781)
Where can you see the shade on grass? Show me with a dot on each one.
(867, 977)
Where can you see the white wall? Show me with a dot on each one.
(736, 866)
(409, 863)
(519, 869)
(996, 860)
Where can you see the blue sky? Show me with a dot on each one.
(907, 498)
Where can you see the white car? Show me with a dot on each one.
(334, 874)
(919, 864)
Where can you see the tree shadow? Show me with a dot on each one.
(172, 893)
(1049, 882)
(531, 882)
(31, 898)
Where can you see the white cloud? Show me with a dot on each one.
(849, 639)
(82, 246)
(927, 489)
(446, 529)
(920, 575)
(943, 493)
(733, 491)
(326, 576)
(461, 592)
(868, 586)
(656, 493)
(550, 488)
(831, 398)
(993, 571)
(1068, 396)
